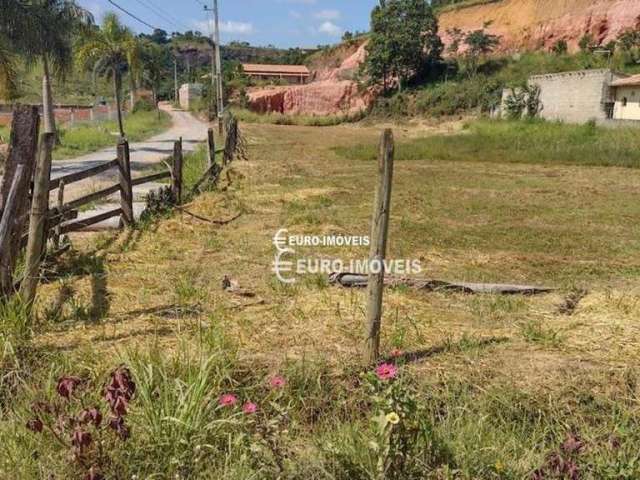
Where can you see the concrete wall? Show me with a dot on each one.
(575, 97)
(190, 93)
(630, 111)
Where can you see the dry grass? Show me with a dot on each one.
(562, 226)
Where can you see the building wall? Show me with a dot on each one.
(632, 109)
(575, 97)
(188, 94)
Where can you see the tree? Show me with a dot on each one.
(560, 47)
(587, 43)
(404, 41)
(43, 30)
(111, 51)
(479, 44)
(154, 62)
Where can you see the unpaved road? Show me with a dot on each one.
(144, 156)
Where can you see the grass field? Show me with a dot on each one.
(87, 138)
(531, 142)
(488, 386)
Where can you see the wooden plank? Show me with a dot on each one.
(150, 178)
(378, 250)
(78, 176)
(126, 186)
(38, 220)
(87, 222)
(56, 234)
(10, 205)
(23, 146)
(211, 143)
(177, 171)
(78, 202)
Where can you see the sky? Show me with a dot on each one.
(283, 23)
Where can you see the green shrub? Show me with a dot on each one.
(143, 105)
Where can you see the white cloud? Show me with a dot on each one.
(331, 29)
(228, 26)
(239, 28)
(327, 14)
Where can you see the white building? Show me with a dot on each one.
(626, 93)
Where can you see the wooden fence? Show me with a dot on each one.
(25, 188)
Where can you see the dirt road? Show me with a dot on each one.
(144, 156)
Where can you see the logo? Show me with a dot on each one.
(283, 267)
(286, 265)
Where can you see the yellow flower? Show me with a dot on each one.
(393, 418)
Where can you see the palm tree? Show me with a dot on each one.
(111, 51)
(43, 30)
(8, 76)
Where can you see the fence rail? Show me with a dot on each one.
(82, 175)
(26, 189)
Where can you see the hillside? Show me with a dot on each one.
(539, 24)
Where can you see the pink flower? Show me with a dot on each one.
(277, 382)
(396, 352)
(249, 408)
(228, 400)
(386, 371)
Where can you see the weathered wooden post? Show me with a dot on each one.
(212, 149)
(36, 244)
(177, 171)
(57, 233)
(126, 189)
(379, 231)
(14, 190)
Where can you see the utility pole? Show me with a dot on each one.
(218, 65)
(175, 80)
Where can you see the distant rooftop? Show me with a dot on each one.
(261, 69)
(632, 81)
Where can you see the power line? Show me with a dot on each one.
(131, 15)
(163, 14)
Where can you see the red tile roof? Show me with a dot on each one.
(627, 82)
(255, 68)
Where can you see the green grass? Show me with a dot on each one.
(4, 133)
(304, 120)
(531, 142)
(86, 138)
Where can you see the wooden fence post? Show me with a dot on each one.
(36, 245)
(377, 253)
(126, 189)
(58, 230)
(212, 149)
(177, 171)
(18, 172)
